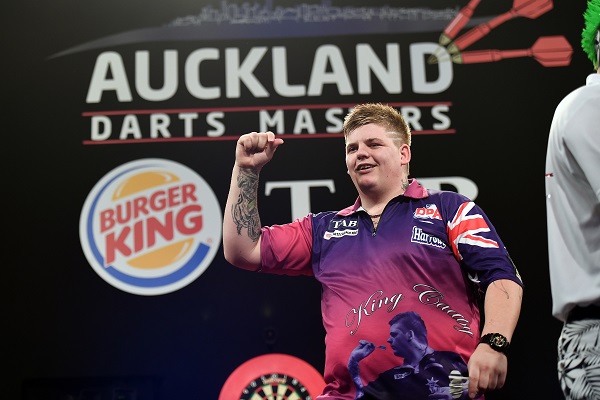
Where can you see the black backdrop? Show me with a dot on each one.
(64, 325)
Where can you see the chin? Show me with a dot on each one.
(366, 185)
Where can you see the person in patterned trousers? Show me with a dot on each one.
(573, 216)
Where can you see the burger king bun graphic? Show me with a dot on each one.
(169, 253)
(150, 226)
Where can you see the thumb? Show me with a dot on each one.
(272, 144)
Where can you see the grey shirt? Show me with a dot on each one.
(573, 199)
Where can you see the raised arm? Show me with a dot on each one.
(363, 350)
(502, 306)
(241, 222)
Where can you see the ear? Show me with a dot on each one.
(598, 48)
(405, 154)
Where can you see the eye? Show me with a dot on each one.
(350, 149)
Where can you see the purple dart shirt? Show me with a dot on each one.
(433, 252)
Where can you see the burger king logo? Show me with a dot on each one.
(150, 226)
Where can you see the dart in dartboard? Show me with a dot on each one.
(521, 8)
(550, 51)
(531, 9)
(458, 22)
(452, 29)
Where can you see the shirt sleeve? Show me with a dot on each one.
(478, 247)
(583, 141)
(286, 249)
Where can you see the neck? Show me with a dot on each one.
(374, 201)
(418, 355)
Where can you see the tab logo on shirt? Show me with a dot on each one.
(341, 227)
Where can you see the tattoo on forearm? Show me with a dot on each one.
(245, 211)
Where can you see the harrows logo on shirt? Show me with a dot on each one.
(418, 236)
(341, 227)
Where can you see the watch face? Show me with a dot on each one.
(273, 377)
(499, 341)
(275, 387)
(496, 341)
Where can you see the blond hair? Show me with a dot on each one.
(379, 114)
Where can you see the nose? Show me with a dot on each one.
(362, 151)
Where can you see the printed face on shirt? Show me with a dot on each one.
(374, 160)
(398, 340)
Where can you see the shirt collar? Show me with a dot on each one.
(593, 79)
(414, 191)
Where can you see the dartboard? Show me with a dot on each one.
(275, 387)
(273, 377)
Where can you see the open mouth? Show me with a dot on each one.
(364, 167)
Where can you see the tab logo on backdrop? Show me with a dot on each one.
(200, 86)
(150, 226)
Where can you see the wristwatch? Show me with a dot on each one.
(496, 341)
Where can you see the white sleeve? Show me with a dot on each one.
(583, 140)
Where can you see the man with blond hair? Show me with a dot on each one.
(400, 247)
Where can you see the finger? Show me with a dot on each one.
(262, 140)
(473, 385)
(484, 383)
(273, 140)
(257, 142)
(496, 382)
(501, 381)
(248, 141)
(272, 143)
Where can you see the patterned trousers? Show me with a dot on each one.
(579, 359)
